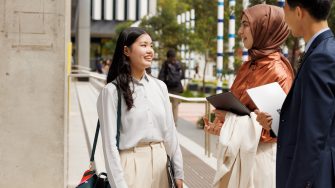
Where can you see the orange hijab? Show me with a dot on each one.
(268, 29)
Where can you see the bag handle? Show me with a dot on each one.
(118, 127)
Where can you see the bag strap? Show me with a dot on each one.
(118, 126)
(118, 115)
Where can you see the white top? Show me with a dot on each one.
(150, 120)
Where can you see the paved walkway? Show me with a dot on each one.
(199, 169)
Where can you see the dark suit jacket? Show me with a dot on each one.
(306, 138)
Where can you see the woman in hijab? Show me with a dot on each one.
(263, 30)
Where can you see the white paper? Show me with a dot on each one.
(269, 98)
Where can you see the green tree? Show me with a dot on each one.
(108, 45)
(163, 27)
(270, 2)
(203, 40)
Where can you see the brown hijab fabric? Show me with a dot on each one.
(268, 29)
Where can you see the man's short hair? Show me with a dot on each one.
(171, 53)
(318, 9)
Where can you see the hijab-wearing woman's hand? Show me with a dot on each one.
(264, 119)
(220, 114)
(179, 183)
(212, 127)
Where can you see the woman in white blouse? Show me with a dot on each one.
(147, 133)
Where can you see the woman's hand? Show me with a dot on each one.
(179, 183)
(220, 114)
(264, 119)
(213, 127)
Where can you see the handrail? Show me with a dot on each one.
(188, 99)
(82, 67)
(88, 74)
(207, 112)
(102, 77)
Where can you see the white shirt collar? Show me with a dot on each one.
(309, 43)
(144, 78)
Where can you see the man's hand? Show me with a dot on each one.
(264, 119)
(213, 127)
(179, 183)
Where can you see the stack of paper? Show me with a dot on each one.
(269, 98)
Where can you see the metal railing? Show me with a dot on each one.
(85, 72)
(207, 112)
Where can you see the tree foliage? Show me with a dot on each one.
(108, 46)
(270, 2)
(163, 27)
(203, 40)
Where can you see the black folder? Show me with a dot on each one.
(228, 102)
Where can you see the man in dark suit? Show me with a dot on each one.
(306, 137)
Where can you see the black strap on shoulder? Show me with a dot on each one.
(118, 115)
(118, 125)
(95, 141)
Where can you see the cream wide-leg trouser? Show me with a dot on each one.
(145, 166)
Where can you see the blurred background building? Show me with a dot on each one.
(94, 23)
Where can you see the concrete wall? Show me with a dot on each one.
(33, 40)
(83, 39)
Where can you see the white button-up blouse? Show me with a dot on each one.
(150, 120)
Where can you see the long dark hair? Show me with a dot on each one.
(120, 70)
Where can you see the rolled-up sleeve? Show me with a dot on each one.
(107, 112)
(171, 141)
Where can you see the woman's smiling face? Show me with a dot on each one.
(140, 53)
(245, 33)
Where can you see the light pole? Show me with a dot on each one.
(244, 50)
(220, 41)
(231, 42)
